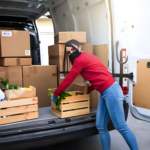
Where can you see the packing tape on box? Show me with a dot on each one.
(33, 70)
(4, 73)
(54, 74)
(18, 61)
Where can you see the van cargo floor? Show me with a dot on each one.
(45, 115)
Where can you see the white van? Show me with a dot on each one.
(122, 24)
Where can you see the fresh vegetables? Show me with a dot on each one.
(14, 87)
(51, 91)
(63, 95)
(6, 84)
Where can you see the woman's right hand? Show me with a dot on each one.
(54, 99)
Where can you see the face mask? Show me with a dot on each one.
(74, 55)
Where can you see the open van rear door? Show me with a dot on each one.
(139, 60)
(28, 9)
(138, 46)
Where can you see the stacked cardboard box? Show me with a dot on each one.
(14, 53)
(57, 51)
(101, 51)
(43, 78)
(15, 48)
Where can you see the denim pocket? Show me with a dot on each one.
(118, 91)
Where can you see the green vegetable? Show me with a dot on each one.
(11, 87)
(5, 83)
(14, 87)
(63, 95)
(51, 91)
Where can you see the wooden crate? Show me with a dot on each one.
(72, 106)
(18, 110)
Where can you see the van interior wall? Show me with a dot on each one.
(73, 15)
(46, 36)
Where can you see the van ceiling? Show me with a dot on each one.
(22, 9)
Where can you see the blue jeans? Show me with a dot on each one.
(111, 106)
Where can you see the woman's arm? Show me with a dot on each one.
(75, 71)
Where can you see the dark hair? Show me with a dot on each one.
(67, 61)
(66, 57)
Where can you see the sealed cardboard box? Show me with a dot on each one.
(42, 78)
(56, 56)
(94, 99)
(78, 87)
(64, 37)
(93, 94)
(14, 74)
(87, 47)
(14, 43)
(78, 79)
(15, 61)
(101, 51)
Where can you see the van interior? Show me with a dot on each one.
(66, 16)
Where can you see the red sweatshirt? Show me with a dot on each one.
(92, 70)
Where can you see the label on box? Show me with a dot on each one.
(27, 52)
(62, 76)
(7, 33)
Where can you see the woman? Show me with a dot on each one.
(111, 101)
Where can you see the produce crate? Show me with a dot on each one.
(18, 110)
(72, 106)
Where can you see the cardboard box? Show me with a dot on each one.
(42, 78)
(93, 94)
(15, 61)
(101, 51)
(94, 99)
(78, 87)
(78, 79)
(72, 106)
(20, 94)
(15, 43)
(56, 55)
(14, 74)
(87, 47)
(64, 37)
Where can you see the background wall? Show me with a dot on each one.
(46, 35)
